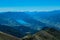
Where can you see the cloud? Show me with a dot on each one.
(30, 9)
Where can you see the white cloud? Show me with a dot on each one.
(30, 9)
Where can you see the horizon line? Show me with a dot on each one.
(18, 9)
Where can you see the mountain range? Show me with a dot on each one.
(23, 22)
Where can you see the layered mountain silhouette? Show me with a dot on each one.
(36, 20)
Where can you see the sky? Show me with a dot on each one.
(29, 5)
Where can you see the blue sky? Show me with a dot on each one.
(29, 5)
